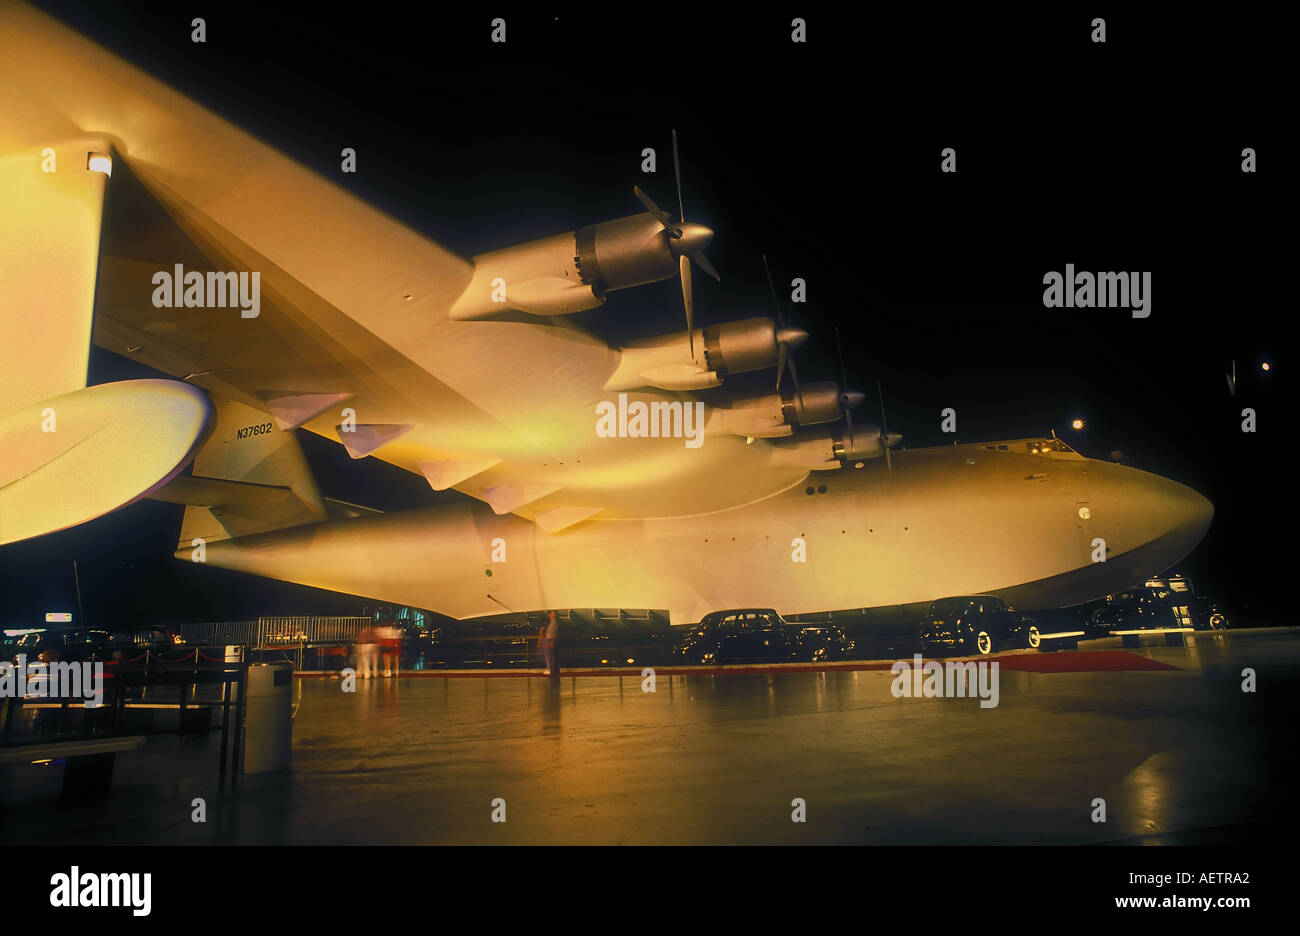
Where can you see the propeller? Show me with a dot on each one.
(884, 428)
(851, 398)
(848, 399)
(687, 241)
(786, 338)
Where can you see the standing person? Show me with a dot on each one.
(366, 653)
(549, 639)
(390, 638)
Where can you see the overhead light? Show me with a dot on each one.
(1077, 424)
(100, 162)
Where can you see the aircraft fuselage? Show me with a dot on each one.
(960, 519)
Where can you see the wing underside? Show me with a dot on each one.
(348, 335)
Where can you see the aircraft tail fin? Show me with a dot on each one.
(250, 477)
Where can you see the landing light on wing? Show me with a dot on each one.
(100, 162)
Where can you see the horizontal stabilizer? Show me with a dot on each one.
(342, 510)
(214, 492)
(237, 507)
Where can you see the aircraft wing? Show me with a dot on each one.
(352, 338)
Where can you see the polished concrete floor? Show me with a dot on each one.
(1165, 735)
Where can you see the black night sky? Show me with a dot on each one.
(1123, 156)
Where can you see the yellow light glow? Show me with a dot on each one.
(100, 162)
(1077, 424)
(1265, 365)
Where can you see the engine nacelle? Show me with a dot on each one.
(629, 251)
(777, 414)
(829, 450)
(569, 272)
(746, 345)
(818, 403)
(730, 348)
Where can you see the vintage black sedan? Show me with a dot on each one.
(974, 624)
(760, 635)
(1171, 602)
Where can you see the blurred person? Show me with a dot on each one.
(549, 637)
(390, 647)
(367, 653)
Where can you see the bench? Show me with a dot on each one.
(89, 770)
(1061, 640)
(1173, 635)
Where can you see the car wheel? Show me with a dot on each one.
(984, 643)
(1032, 637)
(1218, 621)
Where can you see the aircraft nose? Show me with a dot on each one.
(1160, 517)
(1184, 513)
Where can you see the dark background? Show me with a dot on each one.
(1123, 156)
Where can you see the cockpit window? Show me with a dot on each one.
(1047, 446)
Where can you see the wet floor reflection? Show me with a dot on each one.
(719, 758)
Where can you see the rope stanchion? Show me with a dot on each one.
(180, 659)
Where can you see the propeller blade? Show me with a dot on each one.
(677, 170)
(784, 356)
(684, 264)
(844, 386)
(844, 381)
(659, 214)
(884, 423)
(884, 428)
(706, 266)
(775, 302)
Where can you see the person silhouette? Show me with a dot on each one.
(549, 638)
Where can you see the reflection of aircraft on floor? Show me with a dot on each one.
(468, 373)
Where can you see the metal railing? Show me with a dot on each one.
(275, 632)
